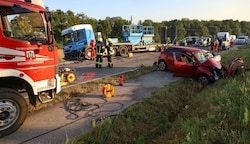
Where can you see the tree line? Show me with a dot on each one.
(112, 26)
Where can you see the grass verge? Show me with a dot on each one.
(183, 112)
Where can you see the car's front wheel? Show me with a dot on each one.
(202, 79)
(162, 65)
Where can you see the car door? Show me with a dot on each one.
(170, 60)
(183, 69)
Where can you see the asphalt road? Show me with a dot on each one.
(58, 123)
(86, 71)
(67, 120)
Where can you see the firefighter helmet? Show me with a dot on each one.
(99, 39)
(109, 40)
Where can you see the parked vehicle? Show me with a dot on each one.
(205, 41)
(136, 38)
(201, 65)
(28, 62)
(241, 40)
(225, 36)
(76, 41)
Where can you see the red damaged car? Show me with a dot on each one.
(198, 64)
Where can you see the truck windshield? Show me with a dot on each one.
(67, 38)
(26, 26)
(74, 36)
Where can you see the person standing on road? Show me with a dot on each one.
(211, 45)
(99, 52)
(220, 44)
(93, 53)
(109, 48)
(201, 41)
(216, 45)
(231, 42)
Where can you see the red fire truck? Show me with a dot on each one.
(28, 60)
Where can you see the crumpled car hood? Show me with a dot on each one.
(213, 62)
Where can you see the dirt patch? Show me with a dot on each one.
(61, 55)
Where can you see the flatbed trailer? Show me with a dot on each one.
(123, 49)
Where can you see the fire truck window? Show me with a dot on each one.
(26, 26)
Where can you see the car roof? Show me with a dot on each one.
(188, 49)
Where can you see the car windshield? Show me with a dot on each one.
(203, 56)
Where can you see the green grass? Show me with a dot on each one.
(183, 112)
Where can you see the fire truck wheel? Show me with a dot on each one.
(71, 77)
(13, 111)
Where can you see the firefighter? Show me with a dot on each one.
(99, 52)
(93, 53)
(109, 48)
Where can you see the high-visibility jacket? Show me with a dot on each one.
(109, 48)
(99, 48)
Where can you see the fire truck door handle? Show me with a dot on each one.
(51, 48)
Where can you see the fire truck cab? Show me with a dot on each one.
(28, 60)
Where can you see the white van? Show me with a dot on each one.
(225, 39)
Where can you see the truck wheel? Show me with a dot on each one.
(88, 53)
(158, 49)
(13, 111)
(114, 52)
(123, 51)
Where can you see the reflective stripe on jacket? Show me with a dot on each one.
(99, 48)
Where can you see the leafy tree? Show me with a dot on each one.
(71, 18)
(59, 23)
(148, 23)
(235, 26)
(157, 32)
(104, 26)
(181, 32)
(112, 26)
(245, 28)
(117, 23)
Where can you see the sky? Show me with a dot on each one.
(156, 10)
